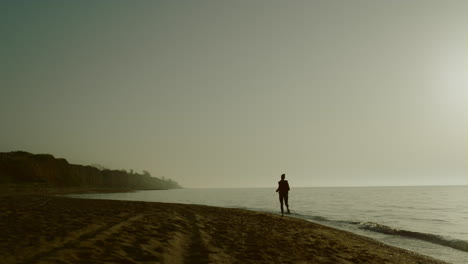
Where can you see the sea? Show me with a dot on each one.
(432, 220)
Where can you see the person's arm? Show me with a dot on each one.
(287, 184)
(278, 187)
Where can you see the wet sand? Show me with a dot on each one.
(51, 229)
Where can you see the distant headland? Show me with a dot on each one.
(21, 168)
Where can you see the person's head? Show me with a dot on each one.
(283, 176)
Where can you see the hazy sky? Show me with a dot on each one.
(234, 93)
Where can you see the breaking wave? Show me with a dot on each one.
(435, 239)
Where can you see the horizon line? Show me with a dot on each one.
(357, 186)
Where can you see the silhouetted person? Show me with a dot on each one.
(283, 189)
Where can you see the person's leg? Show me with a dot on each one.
(286, 202)
(281, 202)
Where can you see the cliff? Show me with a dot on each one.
(25, 168)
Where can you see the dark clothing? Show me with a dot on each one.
(283, 187)
(283, 196)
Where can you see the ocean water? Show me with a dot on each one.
(429, 220)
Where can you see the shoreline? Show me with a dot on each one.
(10, 189)
(53, 229)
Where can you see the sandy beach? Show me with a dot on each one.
(52, 229)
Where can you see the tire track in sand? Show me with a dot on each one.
(108, 230)
(197, 251)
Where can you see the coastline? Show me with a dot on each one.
(11, 189)
(53, 229)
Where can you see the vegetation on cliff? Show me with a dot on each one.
(22, 167)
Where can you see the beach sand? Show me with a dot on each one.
(52, 229)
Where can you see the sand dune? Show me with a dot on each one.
(49, 229)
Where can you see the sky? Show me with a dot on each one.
(235, 93)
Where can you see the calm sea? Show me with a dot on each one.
(429, 220)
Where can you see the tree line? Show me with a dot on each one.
(22, 167)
